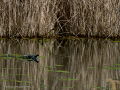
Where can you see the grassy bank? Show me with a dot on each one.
(29, 18)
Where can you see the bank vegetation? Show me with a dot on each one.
(35, 18)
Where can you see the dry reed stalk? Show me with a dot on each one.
(80, 17)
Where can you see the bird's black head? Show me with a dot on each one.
(37, 55)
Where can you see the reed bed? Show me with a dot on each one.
(34, 18)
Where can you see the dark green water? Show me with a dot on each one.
(84, 64)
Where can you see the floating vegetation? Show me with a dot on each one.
(5, 79)
(111, 68)
(41, 78)
(100, 87)
(62, 71)
(41, 83)
(14, 80)
(16, 55)
(33, 39)
(42, 56)
(117, 64)
(20, 81)
(3, 54)
(92, 67)
(50, 66)
(49, 70)
(6, 57)
(24, 59)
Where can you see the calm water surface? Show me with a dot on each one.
(84, 64)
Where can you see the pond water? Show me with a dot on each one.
(69, 64)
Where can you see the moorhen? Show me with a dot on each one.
(31, 57)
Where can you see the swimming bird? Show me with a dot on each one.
(30, 57)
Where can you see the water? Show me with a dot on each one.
(84, 64)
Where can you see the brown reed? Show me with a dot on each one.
(28, 18)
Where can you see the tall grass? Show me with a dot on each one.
(28, 18)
